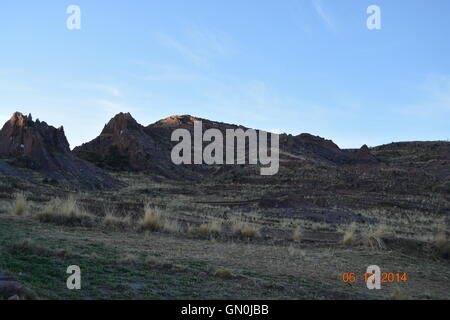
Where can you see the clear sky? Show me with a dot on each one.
(293, 65)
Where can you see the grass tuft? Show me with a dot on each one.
(213, 228)
(223, 274)
(250, 231)
(297, 235)
(65, 212)
(20, 204)
(201, 230)
(398, 294)
(172, 226)
(152, 218)
(374, 237)
(349, 235)
(442, 244)
(115, 222)
(245, 229)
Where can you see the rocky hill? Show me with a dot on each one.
(34, 145)
(124, 144)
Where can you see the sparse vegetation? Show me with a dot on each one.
(349, 235)
(201, 230)
(172, 225)
(247, 230)
(20, 204)
(65, 212)
(223, 273)
(300, 231)
(29, 246)
(441, 239)
(442, 244)
(297, 235)
(117, 222)
(374, 237)
(152, 218)
(213, 228)
(398, 294)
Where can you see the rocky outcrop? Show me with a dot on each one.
(35, 145)
(364, 156)
(124, 144)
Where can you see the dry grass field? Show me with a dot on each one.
(161, 239)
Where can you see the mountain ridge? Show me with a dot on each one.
(126, 145)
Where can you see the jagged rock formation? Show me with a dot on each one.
(124, 144)
(364, 156)
(34, 142)
(35, 145)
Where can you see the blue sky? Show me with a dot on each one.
(293, 66)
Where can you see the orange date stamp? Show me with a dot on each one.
(374, 278)
(386, 277)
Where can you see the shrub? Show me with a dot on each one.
(223, 273)
(442, 244)
(245, 229)
(349, 235)
(215, 227)
(171, 226)
(152, 218)
(20, 204)
(374, 237)
(212, 228)
(440, 239)
(201, 230)
(250, 231)
(297, 235)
